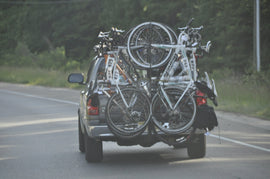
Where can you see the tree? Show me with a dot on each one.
(75, 26)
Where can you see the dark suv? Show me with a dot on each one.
(93, 129)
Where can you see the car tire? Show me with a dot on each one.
(197, 147)
(81, 136)
(93, 149)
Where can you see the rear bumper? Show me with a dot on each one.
(102, 131)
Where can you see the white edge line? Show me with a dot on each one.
(73, 103)
(240, 143)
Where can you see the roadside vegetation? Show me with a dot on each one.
(246, 94)
(41, 43)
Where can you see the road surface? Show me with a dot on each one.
(38, 139)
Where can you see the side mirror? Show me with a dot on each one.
(76, 78)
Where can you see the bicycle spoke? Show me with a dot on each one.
(146, 34)
(176, 120)
(133, 100)
(134, 119)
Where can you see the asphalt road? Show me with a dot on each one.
(38, 139)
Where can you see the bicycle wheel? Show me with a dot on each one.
(131, 121)
(139, 44)
(173, 34)
(173, 121)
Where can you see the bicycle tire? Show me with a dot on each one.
(128, 123)
(173, 34)
(177, 121)
(139, 45)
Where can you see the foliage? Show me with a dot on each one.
(51, 60)
(47, 28)
(47, 40)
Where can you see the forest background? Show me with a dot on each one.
(41, 41)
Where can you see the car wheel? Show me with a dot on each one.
(93, 149)
(197, 147)
(81, 136)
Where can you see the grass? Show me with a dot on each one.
(243, 98)
(35, 76)
(244, 95)
(241, 94)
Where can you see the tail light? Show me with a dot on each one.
(201, 99)
(92, 107)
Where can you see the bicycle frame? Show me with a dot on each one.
(189, 66)
(113, 72)
(168, 99)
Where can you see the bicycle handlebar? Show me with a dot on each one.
(193, 28)
(103, 34)
(106, 34)
(206, 48)
(197, 28)
(114, 29)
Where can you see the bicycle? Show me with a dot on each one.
(173, 105)
(128, 108)
(172, 108)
